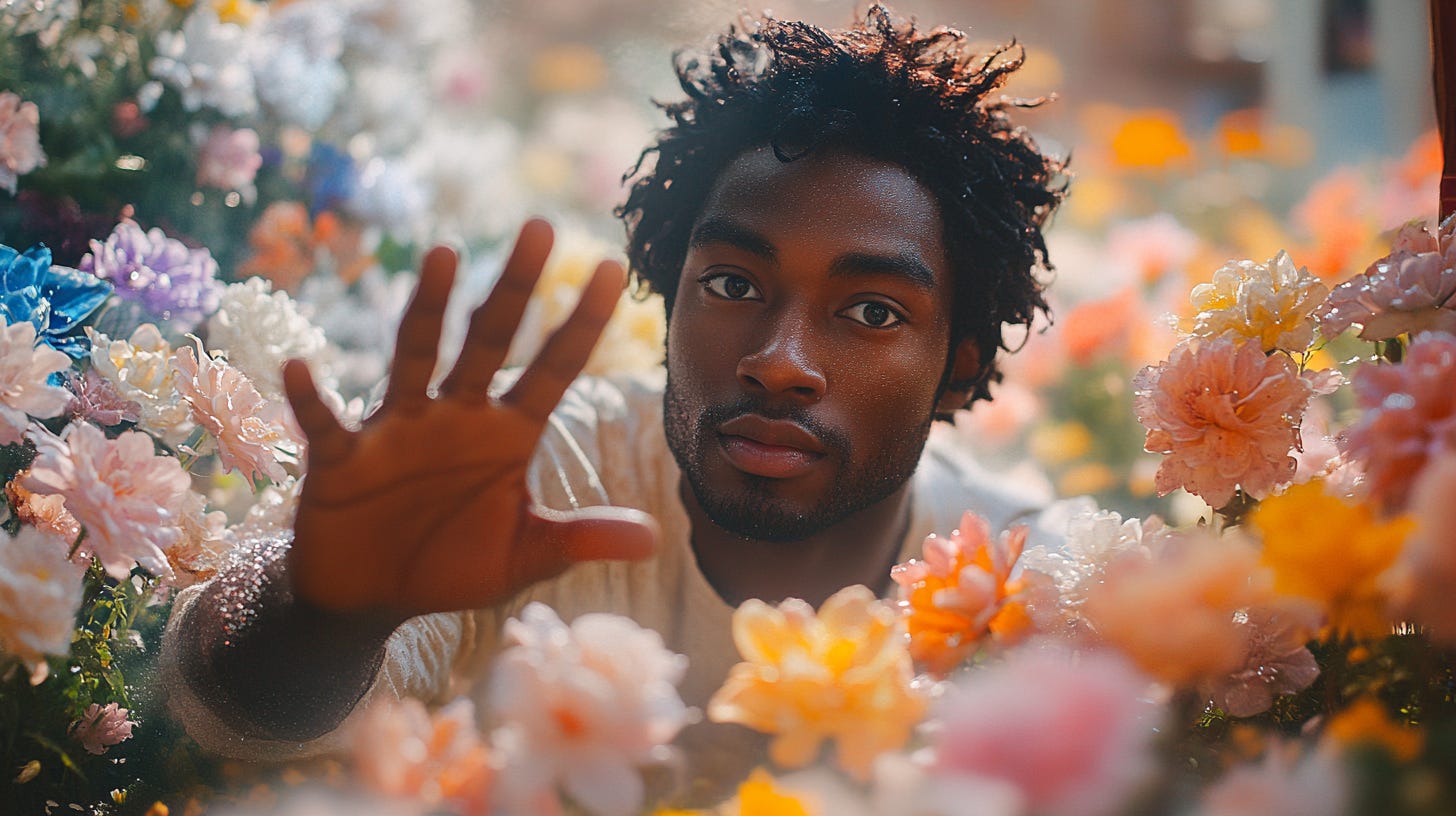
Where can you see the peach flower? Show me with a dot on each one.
(124, 494)
(1426, 577)
(140, 367)
(40, 595)
(1271, 303)
(250, 432)
(1276, 658)
(961, 593)
(437, 760)
(48, 513)
(1410, 290)
(24, 391)
(1227, 417)
(1282, 783)
(1410, 416)
(842, 674)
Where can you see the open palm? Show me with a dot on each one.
(425, 508)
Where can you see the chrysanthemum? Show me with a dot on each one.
(842, 674)
(1410, 290)
(40, 594)
(101, 727)
(434, 759)
(961, 592)
(169, 280)
(583, 706)
(124, 494)
(24, 390)
(249, 430)
(262, 328)
(1331, 551)
(1271, 303)
(20, 150)
(1225, 415)
(1409, 416)
(140, 367)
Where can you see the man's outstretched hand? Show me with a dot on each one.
(425, 508)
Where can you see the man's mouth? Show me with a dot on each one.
(772, 448)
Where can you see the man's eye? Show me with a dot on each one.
(873, 314)
(731, 287)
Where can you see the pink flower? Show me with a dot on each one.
(1226, 415)
(1073, 735)
(20, 150)
(1276, 660)
(124, 494)
(101, 727)
(229, 159)
(439, 759)
(1426, 573)
(1282, 784)
(1410, 290)
(1410, 415)
(97, 400)
(40, 594)
(24, 369)
(249, 431)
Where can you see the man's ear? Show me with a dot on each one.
(965, 372)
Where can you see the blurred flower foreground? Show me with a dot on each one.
(1252, 614)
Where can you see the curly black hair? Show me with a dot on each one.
(916, 99)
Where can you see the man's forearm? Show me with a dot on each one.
(283, 670)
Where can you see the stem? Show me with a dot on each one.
(77, 545)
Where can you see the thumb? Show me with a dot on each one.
(592, 534)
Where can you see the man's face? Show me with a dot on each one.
(808, 341)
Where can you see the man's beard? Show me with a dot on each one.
(755, 512)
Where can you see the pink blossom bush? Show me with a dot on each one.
(1409, 416)
(102, 727)
(1073, 735)
(40, 595)
(124, 494)
(24, 392)
(20, 150)
(1226, 416)
(249, 431)
(1410, 290)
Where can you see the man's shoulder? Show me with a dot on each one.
(951, 480)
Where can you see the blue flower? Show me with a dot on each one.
(331, 179)
(54, 299)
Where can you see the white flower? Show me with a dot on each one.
(24, 368)
(297, 64)
(360, 321)
(204, 541)
(40, 594)
(208, 61)
(583, 705)
(1093, 541)
(141, 369)
(260, 329)
(1282, 784)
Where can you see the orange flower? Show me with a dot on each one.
(287, 246)
(1364, 722)
(961, 593)
(1150, 140)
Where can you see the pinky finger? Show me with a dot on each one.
(328, 441)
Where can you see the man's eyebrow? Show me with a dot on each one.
(719, 230)
(907, 266)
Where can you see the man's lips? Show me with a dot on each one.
(774, 448)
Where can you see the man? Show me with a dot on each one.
(840, 224)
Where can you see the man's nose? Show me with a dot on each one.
(784, 364)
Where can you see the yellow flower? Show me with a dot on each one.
(1365, 722)
(1150, 140)
(758, 797)
(241, 12)
(1324, 548)
(1270, 303)
(843, 674)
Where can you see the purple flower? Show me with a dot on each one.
(165, 277)
(102, 727)
(96, 399)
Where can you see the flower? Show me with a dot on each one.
(1427, 576)
(1410, 290)
(1331, 551)
(101, 727)
(297, 65)
(40, 594)
(288, 245)
(1365, 722)
(260, 329)
(47, 513)
(1409, 416)
(25, 370)
(1276, 660)
(1271, 303)
(208, 62)
(584, 705)
(203, 543)
(1194, 586)
(842, 674)
(124, 494)
(94, 398)
(1093, 540)
(20, 150)
(1072, 735)
(961, 592)
(1225, 415)
(250, 431)
(54, 299)
(140, 368)
(1283, 784)
(434, 759)
(169, 280)
(228, 159)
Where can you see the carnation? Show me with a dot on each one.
(434, 759)
(1271, 303)
(24, 389)
(250, 431)
(1226, 416)
(260, 329)
(20, 150)
(1410, 290)
(583, 706)
(95, 399)
(101, 727)
(124, 494)
(165, 277)
(40, 595)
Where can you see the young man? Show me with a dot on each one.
(840, 224)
